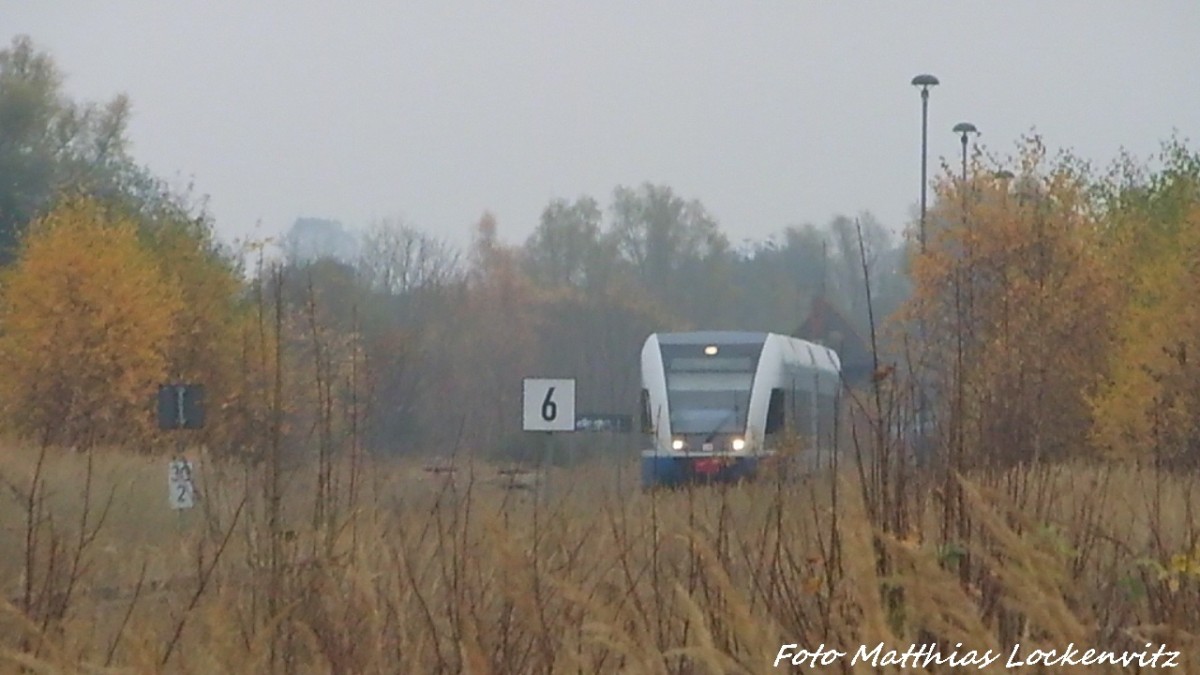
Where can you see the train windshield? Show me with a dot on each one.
(709, 393)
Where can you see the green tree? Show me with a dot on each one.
(676, 250)
(568, 248)
(659, 232)
(1151, 400)
(845, 267)
(50, 143)
(776, 278)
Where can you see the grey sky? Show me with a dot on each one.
(769, 112)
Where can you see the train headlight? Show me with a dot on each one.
(739, 444)
(677, 444)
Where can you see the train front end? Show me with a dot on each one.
(699, 408)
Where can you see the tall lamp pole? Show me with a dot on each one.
(965, 129)
(924, 81)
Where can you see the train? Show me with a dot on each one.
(718, 405)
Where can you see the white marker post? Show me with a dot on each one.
(181, 491)
(180, 407)
(549, 406)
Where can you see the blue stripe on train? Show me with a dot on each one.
(674, 470)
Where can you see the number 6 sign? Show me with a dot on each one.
(549, 405)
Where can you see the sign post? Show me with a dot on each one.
(180, 407)
(549, 406)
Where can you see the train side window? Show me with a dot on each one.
(815, 403)
(775, 412)
(789, 409)
(647, 426)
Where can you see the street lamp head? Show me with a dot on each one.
(924, 80)
(965, 128)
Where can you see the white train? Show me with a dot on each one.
(715, 404)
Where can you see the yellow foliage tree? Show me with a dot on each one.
(211, 330)
(87, 318)
(1016, 298)
(496, 336)
(1151, 402)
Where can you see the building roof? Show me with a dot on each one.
(827, 326)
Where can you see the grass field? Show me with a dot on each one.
(405, 571)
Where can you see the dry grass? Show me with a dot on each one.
(586, 574)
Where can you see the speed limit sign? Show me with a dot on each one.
(549, 405)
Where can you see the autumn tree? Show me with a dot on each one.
(212, 328)
(88, 318)
(496, 339)
(1150, 404)
(1014, 299)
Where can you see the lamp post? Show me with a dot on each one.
(924, 81)
(963, 312)
(965, 129)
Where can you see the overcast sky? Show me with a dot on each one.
(769, 112)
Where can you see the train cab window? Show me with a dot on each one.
(775, 412)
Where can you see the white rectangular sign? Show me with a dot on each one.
(549, 404)
(181, 491)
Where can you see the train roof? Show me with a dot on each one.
(720, 337)
(820, 355)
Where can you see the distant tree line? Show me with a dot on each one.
(576, 299)
(1050, 315)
